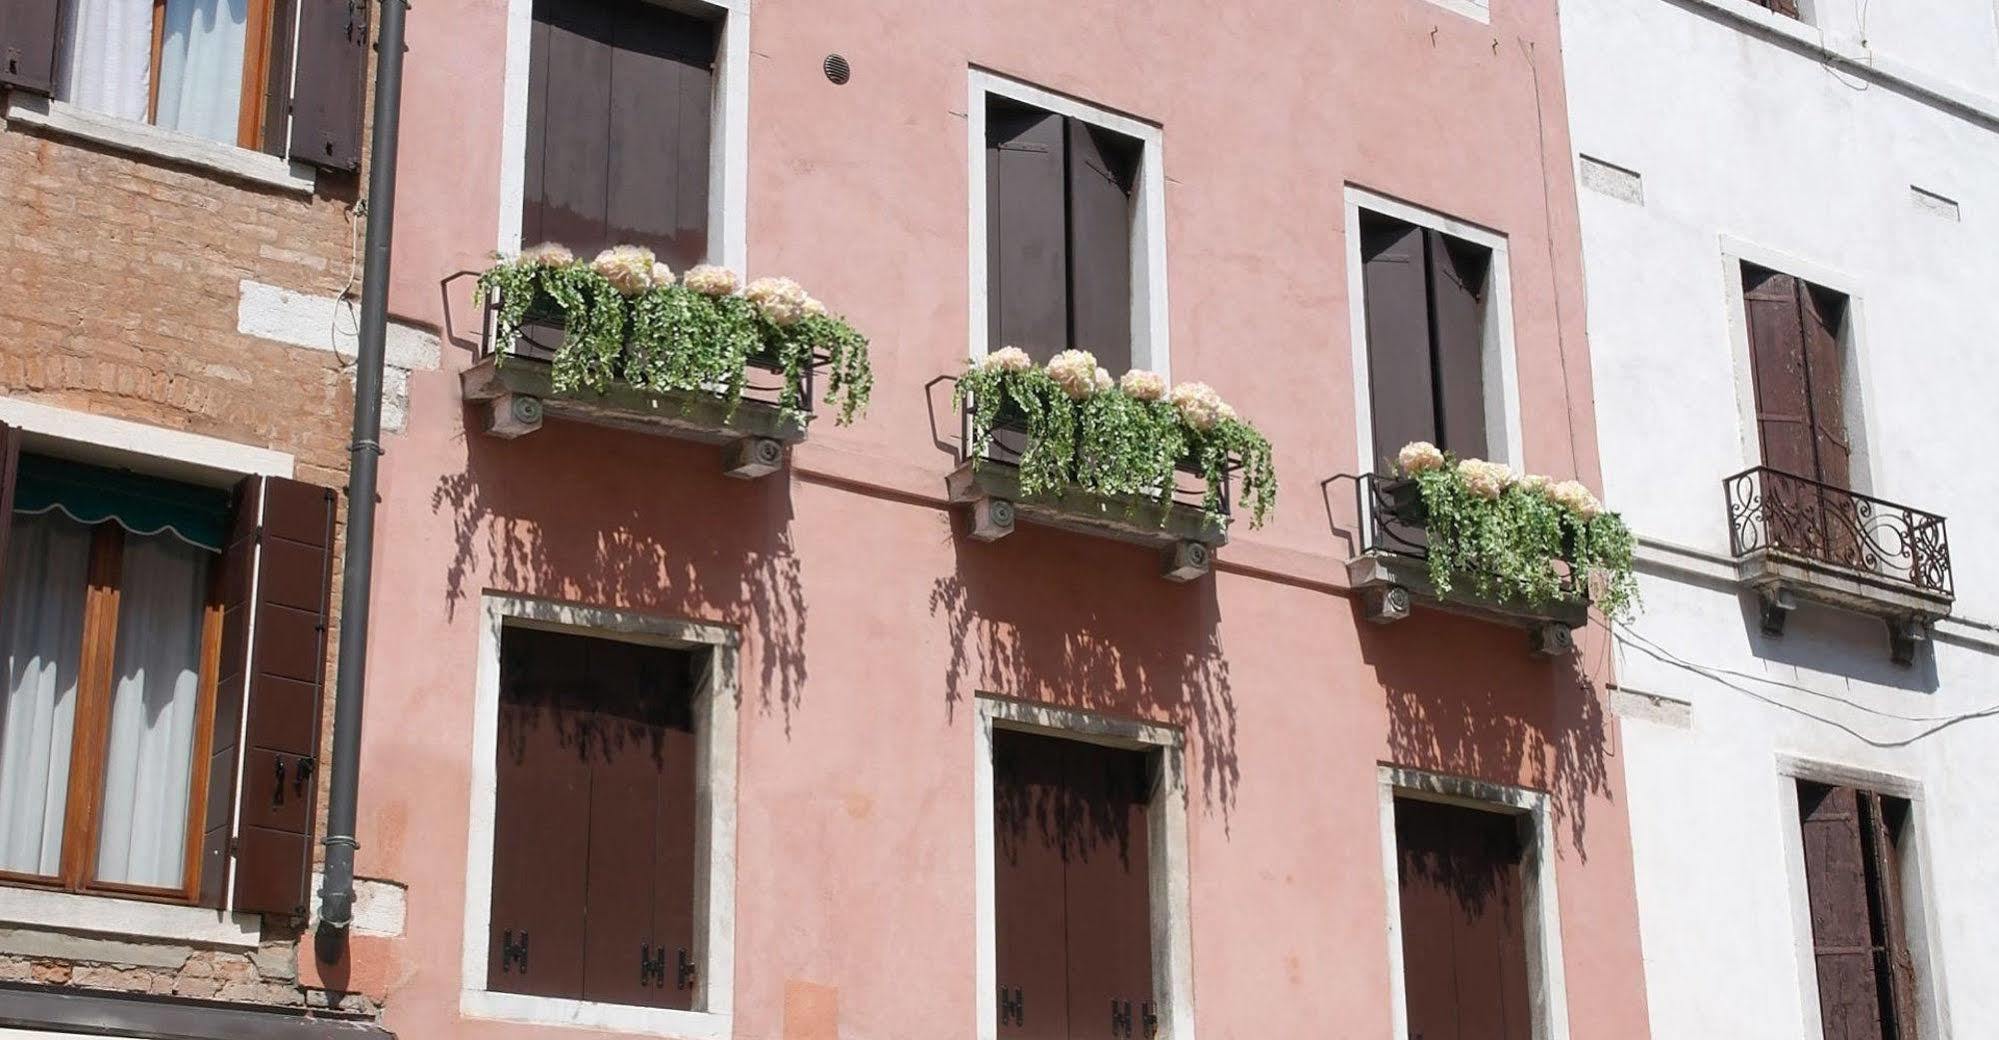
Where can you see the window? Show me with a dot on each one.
(1797, 364)
(1464, 926)
(1072, 878)
(1426, 297)
(1787, 8)
(1854, 854)
(1059, 205)
(620, 99)
(599, 887)
(126, 618)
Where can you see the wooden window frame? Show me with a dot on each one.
(96, 673)
(257, 51)
(715, 778)
(1505, 440)
(1172, 937)
(1546, 972)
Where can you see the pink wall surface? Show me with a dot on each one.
(870, 621)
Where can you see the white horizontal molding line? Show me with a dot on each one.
(147, 140)
(326, 323)
(126, 918)
(221, 461)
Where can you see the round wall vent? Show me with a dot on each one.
(837, 69)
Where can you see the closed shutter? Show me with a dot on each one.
(1824, 313)
(1883, 821)
(1464, 947)
(1400, 380)
(622, 736)
(676, 867)
(1101, 167)
(1026, 238)
(540, 827)
(1457, 278)
(274, 135)
(1032, 815)
(620, 101)
(285, 682)
(1837, 890)
(28, 33)
(1777, 367)
(236, 581)
(1107, 892)
(330, 83)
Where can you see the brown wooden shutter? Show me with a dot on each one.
(1026, 235)
(1032, 815)
(1824, 314)
(1837, 890)
(1457, 277)
(239, 567)
(28, 33)
(274, 135)
(661, 93)
(1107, 888)
(1464, 944)
(566, 188)
(1777, 367)
(286, 672)
(541, 827)
(330, 83)
(1101, 169)
(1400, 381)
(622, 736)
(1883, 820)
(668, 679)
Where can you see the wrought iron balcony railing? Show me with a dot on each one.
(1771, 510)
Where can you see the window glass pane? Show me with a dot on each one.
(142, 837)
(108, 56)
(201, 67)
(48, 559)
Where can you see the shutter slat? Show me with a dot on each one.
(1026, 237)
(1457, 277)
(1836, 890)
(1101, 169)
(1397, 305)
(288, 632)
(330, 84)
(1030, 820)
(28, 34)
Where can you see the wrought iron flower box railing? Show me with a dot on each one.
(1177, 521)
(1392, 570)
(514, 384)
(1795, 537)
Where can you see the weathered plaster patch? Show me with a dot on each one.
(330, 324)
(1614, 181)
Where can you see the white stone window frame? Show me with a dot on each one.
(1919, 908)
(1546, 978)
(1479, 11)
(135, 137)
(1149, 341)
(1855, 376)
(175, 455)
(1168, 899)
(715, 822)
(1501, 365)
(729, 134)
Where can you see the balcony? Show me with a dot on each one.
(1392, 572)
(1795, 539)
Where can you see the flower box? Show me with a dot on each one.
(619, 342)
(1066, 447)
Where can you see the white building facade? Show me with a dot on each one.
(1791, 244)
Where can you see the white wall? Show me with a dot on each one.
(1747, 138)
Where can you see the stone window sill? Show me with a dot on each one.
(126, 918)
(555, 1011)
(152, 142)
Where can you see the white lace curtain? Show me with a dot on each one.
(108, 62)
(142, 830)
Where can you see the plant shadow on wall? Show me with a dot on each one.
(651, 525)
(1465, 698)
(1087, 624)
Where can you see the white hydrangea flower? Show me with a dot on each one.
(548, 254)
(1104, 381)
(1226, 413)
(710, 280)
(780, 299)
(1576, 498)
(1535, 483)
(1075, 371)
(1419, 457)
(627, 268)
(661, 274)
(1143, 385)
(1007, 359)
(1487, 480)
(1200, 406)
(813, 308)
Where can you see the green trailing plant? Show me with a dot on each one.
(672, 338)
(1111, 441)
(1525, 539)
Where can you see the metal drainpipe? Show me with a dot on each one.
(336, 893)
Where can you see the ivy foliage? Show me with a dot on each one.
(1523, 545)
(1112, 443)
(671, 338)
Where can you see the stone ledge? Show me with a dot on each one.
(1391, 584)
(1842, 587)
(1186, 534)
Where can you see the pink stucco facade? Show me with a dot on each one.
(870, 621)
